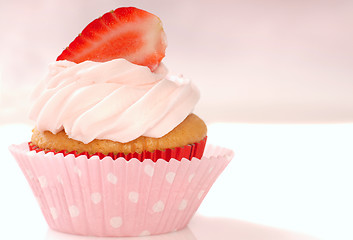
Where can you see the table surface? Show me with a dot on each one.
(286, 181)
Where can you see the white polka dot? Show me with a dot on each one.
(96, 197)
(145, 233)
(78, 171)
(74, 211)
(31, 153)
(116, 222)
(170, 177)
(29, 174)
(112, 178)
(191, 177)
(53, 213)
(149, 170)
(133, 197)
(183, 204)
(43, 181)
(60, 180)
(158, 207)
(210, 170)
(199, 196)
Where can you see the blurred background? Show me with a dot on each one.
(262, 67)
(254, 61)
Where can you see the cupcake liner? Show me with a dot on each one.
(107, 197)
(188, 152)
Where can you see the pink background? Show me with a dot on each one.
(254, 61)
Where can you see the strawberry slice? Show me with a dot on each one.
(127, 32)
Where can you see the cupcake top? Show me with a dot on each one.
(118, 92)
(115, 100)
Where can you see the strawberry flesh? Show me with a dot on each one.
(129, 33)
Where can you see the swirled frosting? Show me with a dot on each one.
(115, 100)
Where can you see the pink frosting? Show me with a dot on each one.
(115, 100)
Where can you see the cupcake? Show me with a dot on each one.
(116, 149)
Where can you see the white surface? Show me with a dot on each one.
(285, 182)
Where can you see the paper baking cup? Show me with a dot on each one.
(188, 152)
(106, 197)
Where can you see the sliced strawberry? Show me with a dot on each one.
(128, 32)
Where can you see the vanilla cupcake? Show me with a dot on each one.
(116, 149)
(115, 108)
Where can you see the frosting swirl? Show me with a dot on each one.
(115, 100)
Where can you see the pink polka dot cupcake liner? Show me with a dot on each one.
(107, 197)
